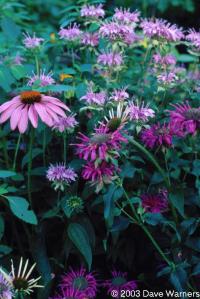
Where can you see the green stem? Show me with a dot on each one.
(137, 220)
(44, 147)
(30, 164)
(16, 152)
(37, 65)
(64, 147)
(151, 158)
(5, 152)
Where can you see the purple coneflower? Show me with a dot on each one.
(92, 11)
(69, 293)
(119, 95)
(157, 135)
(94, 98)
(28, 106)
(194, 37)
(185, 119)
(44, 79)
(140, 112)
(32, 42)
(124, 15)
(155, 203)
(67, 123)
(90, 39)
(80, 280)
(70, 33)
(60, 175)
(110, 59)
(99, 144)
(6, 287)
(119, 282)
(161, 29)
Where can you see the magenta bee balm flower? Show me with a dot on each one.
(194, 37)
(80, 280)
(99, 144)
(185, 119)
(157, 135)
(119, 282)
(155, 203)
(28, 106)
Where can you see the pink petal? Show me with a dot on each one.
(52, 113)
(23, 122)
(55, 101)
(15, 117)
(45, 117)
(5, 105)
(7, 113)
(56, 109)
(33, 116)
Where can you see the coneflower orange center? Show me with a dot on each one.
(30, 97)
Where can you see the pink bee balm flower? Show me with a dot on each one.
(60, 175)
(124, 15)
(94, 98)
(115, 31)
(185, 119)
(99, 144)
(98, 175)
(90, 39)
(161, 29)
(164, 60)
(110, 59)
(155, 203)
(28, 106)
(92, 11)
(32, 42)
(69, 293)
(167, 78)
(44, 79)
(194, 37)
(70, 33)
(157, 135)
(119, 282)
(67, 123)
(119, 95)
(82, 281)
(140, 112)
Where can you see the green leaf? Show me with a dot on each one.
(4, 249)
(186, 58)
(19, 206)
(177, 200)
(78, 236)
(6, 174)
(18, 71)
(10, 29)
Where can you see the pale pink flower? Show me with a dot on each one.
(67, 123)
(164, 60)
(18, 60)
(28, 106)
(92, 11)
(70, 33)
(44, 79)
(161, 29)
(140, 112)
(110, 59)
(94, 98)
(115, 31)
(90, 39)
(119, 95)
(167, 78)
(32, 42)
(194, 37)
(124, 15)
